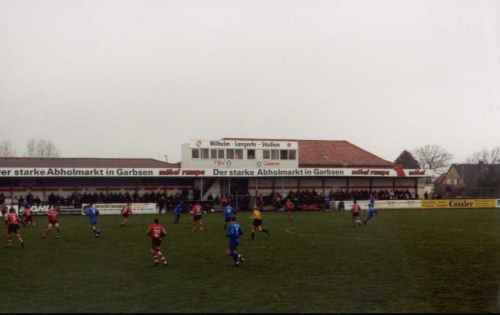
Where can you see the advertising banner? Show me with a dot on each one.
(245, 144)
(386, 204)
(115, 208)
(459, 203)
(12, 172)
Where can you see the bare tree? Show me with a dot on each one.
(7, 149)
(433, 157)
(31, 148)
(486, 156)
(41, 148)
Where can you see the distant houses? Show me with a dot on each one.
(469, 180)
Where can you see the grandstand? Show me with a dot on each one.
(210, 169)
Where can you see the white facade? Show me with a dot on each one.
(239, 154)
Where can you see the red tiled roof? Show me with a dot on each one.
(85, 162)
(331, 153)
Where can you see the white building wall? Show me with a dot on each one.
(259, 161)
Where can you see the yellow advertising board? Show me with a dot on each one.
(459, 203)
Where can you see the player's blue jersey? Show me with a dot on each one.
(178, 208)
(229, 212)
(233, 231)
(92, 213)
(371, 204)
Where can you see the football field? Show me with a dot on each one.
(403, 261)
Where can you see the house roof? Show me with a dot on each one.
(85, 162)
(331, 153)
(471, 173)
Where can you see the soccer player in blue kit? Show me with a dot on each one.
(229, 213)
(233, 233)
(92, 212)
(177, 211)
(371, 209)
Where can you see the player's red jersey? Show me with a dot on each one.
(126, 211)
(12, 218)
(196, 209)
(26, 212)
(156, 231)
(355, 209)
(53, 215)
(289, 205)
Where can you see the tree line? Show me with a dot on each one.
(34, 148)
(437, 158)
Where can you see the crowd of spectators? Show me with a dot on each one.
(166, 202)
(76, 200)
(312, 199)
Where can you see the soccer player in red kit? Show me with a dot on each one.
(156, 232)
(53, 217)
(13, 227)
(197, 213)
(356, 214)
(27, 216)
(126, 212)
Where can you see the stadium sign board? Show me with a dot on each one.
(459, 203)
(115, 208)
(385, 204)
(212, 172)
(243, 144)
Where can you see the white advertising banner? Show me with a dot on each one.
(243, 144)
(387, 204)
(116, 208)
(498, 203)
(212, 172)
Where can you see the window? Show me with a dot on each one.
(230, 154)
(275, 155)
(283, 154)
(195, 153)
(204, 154)
(251, 154)
(221, 154)
(266, 154)
(213, 154)
(238, 154)
(292, 154)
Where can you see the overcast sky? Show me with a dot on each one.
(138, 78)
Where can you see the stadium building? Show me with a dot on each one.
(229, 166)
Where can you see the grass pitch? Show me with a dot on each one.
(403, 261)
